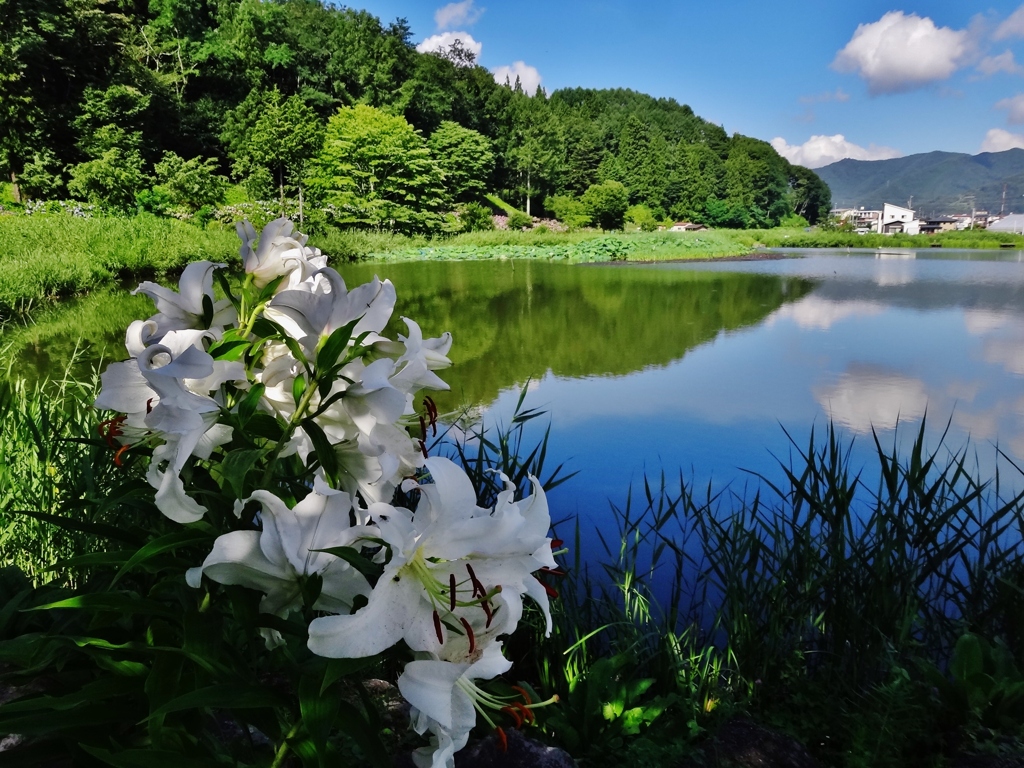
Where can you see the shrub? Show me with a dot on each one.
(475, 218)
(519, 220)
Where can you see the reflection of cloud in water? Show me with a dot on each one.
(866, 396)
(963, 391)
(1008, 353)
(982, 321)
(820, 314)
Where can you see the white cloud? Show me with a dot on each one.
(901, 52)
(442, 42)
(998, 140)
(1014, 107)
(822, 150)
(528, 76)
(457, 15)
(1013, 26)
(1004, 62)
(837, 95)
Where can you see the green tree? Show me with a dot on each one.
(112, 179)
(607, 203)
(283, 137)
(41, 176)
(642, 217)
(189, 184)
(466, 159)
(377, 171)
(642, 156)
(569, 210)
(536, 145)
(699, 176)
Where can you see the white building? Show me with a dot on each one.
(897, 219)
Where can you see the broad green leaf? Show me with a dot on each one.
(247, 407)
(236, 466)
(331, 348)
(339, 668)
(93, 559)
(159, 545)
(967, 658)
(229, 350)
(224, 696)
(319, 712)
(324, 450)
(264, 425)
(120, 602)
(268, 290)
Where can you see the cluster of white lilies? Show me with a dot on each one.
(299, 350)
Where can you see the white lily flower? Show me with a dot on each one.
(276, 559)
(315, 310)
(184, 309)
(163, 394)
(434, 577)
(277, 251)
(445, 700)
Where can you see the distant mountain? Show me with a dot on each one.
(938, 182)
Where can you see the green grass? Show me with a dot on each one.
(574, 247)
(54, 256)
(818, 238)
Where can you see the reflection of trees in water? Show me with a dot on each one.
(516, 321)
(511, 321)
(94, 325)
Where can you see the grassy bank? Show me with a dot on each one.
(798, 238)
(54, 256)
(50, 256)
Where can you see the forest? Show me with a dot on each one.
(181, 107)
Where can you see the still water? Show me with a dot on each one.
(697, 367)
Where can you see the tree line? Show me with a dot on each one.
(156, 105)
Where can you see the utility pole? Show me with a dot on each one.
(1002, 209)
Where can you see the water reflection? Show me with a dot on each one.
(695, 367)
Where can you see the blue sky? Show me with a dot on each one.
(821, 80)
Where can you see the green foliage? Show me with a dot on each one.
(642, 217)
(475, 218)
(606, 203)
(793, 221)
(111, 180)
(41, 176)
(376, 170)
(568, 210)
(519, 220)
(189, 184)
(465, 159)
(274, 139)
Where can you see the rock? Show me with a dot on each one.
(741, 743)
(522, 752)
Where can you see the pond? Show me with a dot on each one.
(695, 367)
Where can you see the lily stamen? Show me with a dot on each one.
(469, 634)
(451, 591)
(119, 454)
(502, 739)
(511, 711)
(437, 628)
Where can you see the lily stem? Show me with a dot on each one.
(282, 751)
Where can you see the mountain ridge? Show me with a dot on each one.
(933, 182)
